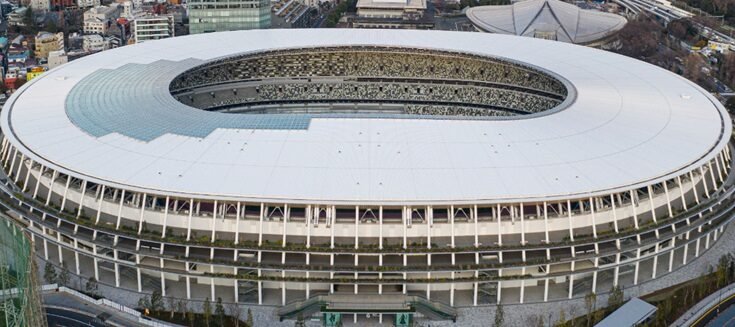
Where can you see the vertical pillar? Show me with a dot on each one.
(188, 222)
(668, 198)
(99, 205)
(81, 198)
(165, 219)
(38, 181)
(142, 213)
(634, 206)
(571, 224)
(357, 227)
(615, 213)
(237, 227)
(119, 210)
(214, 221)
(63, 197)
(260, 227)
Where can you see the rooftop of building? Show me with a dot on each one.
(566, 21)
(391, 4)
(630, 124)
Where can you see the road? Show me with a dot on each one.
(66, 318)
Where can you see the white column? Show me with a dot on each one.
(99, 205)
(38, 181)
(66, 189)
(142, 213)
(681, 193)
(571, 224)
(81, 199)
(694, 187)
(451, 220)
(634, 206)
(137, 273)
(214, 221)
(546, 223)
(28, 175)
(51, 186)
(165, 219)
(357, 227)
(475, 214)
(260, 226)
(615, 213)
(500, 229)
(668, 198)
(650, 200)
(704, 181)
(285, 224)
(188, 222)
(119, 210)
(380, 223)
(332, 218)
(237, 228)
(523, 232)
(309, 217)
(594, 222)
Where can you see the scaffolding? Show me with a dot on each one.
(20, 291)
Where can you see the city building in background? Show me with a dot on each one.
(57, 58)
(88, 3)
(153, 27)
(228, 15)
(46, 42)
(408, 14)
(98, 19)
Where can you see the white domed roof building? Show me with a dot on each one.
(366, 171)
(547, 19)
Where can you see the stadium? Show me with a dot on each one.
(299, 168)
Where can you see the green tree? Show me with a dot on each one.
(249, 322)
(207, 308)
(236, 313)
(300, 321)
(562, 321)
(156, 301)
(219, 311)
(590, 302)
(616, 298)
(191, 317)
(92, 286)
(499, 319)
(663, 312)
(49, 273)
(51, 26)
(144, 302)
(172, 306)
(183, 308)
(64, 276)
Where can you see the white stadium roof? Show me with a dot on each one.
(527, 18)
(631, 124)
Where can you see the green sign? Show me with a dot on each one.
(332, 319)
(403, 319)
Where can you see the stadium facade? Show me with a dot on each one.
(301, 167)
